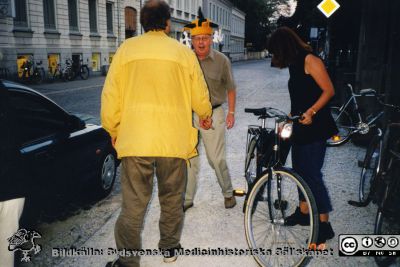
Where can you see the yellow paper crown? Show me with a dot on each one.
(200, 25)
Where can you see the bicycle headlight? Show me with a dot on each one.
(286, 130)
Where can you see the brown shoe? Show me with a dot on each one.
(230, 202)
(186, 207)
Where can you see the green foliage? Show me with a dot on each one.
(260, 20)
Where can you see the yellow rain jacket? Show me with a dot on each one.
(152, 86)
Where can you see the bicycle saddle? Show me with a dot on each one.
(256, 111)
(367, 92)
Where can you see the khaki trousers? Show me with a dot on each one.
(10, 212)
(214, 144)
(137, 186)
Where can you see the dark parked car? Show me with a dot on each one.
(59, 150)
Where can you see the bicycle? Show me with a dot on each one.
(73, 69)
(380, 183)
(273, 193)
(32, 72)
(68, 73)
(58, 73)
(387, 219)
(83, 70)
(372, 163)
(343, 117)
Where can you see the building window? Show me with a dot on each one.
(53, 60)
(213, 13)
(49, 14)
(96, 62)
(178, 4)
(109, 11)
(110, 57)
(73, 15)
(21, 18)
(93, 16)
(130, 22)
(21, 60)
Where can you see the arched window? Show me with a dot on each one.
(130, 22)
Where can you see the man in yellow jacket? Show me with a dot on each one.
(152, 87)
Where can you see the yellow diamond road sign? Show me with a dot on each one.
(328, 7)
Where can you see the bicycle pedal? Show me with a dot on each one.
(357, 203)
(239, 192)
(280, 205)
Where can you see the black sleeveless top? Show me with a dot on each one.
(304, 92)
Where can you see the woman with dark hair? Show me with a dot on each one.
(310, 90)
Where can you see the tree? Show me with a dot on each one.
(261, 16)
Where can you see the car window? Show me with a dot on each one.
(35, 117)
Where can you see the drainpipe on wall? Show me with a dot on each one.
(141, 28)
(119, 23)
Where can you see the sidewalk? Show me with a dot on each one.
(209, 225)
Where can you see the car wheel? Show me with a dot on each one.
(106, 175)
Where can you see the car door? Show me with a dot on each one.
(41, 133)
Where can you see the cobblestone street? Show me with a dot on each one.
(208, 224)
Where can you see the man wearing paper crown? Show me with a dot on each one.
(218, 73)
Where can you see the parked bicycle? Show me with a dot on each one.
(380, 181)
(273, 193)
(74, 69)
(58, 73)
(68, 73)
(387, 219)
(349, 120)
(32, 72)
(82, 70)
(372, 162)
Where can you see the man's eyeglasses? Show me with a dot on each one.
(201, 38)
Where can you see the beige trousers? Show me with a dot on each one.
(214, 144)
(137, 186)
(10, 212)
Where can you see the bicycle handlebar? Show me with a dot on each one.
(396, 108)
(271, 113)
(256, 111)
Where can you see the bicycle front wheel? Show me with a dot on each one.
(271, 200)
(38, 76)
(370, 168)
(84, 72)
(344, 124)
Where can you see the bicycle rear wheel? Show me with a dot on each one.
(84, 72)
(265, 215)
(386, 225)
(387, 221)
(344, 124)
(370, 168)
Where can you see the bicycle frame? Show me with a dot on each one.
(265, 159)
(353, 99)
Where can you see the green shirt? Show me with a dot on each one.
(218, 73)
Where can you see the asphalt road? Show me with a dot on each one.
(207, 224)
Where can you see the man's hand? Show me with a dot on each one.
(230, 120)
(206, 123)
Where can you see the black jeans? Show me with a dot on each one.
(307, 161)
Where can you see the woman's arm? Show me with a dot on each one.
(316, 68)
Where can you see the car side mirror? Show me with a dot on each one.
(76, 123)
